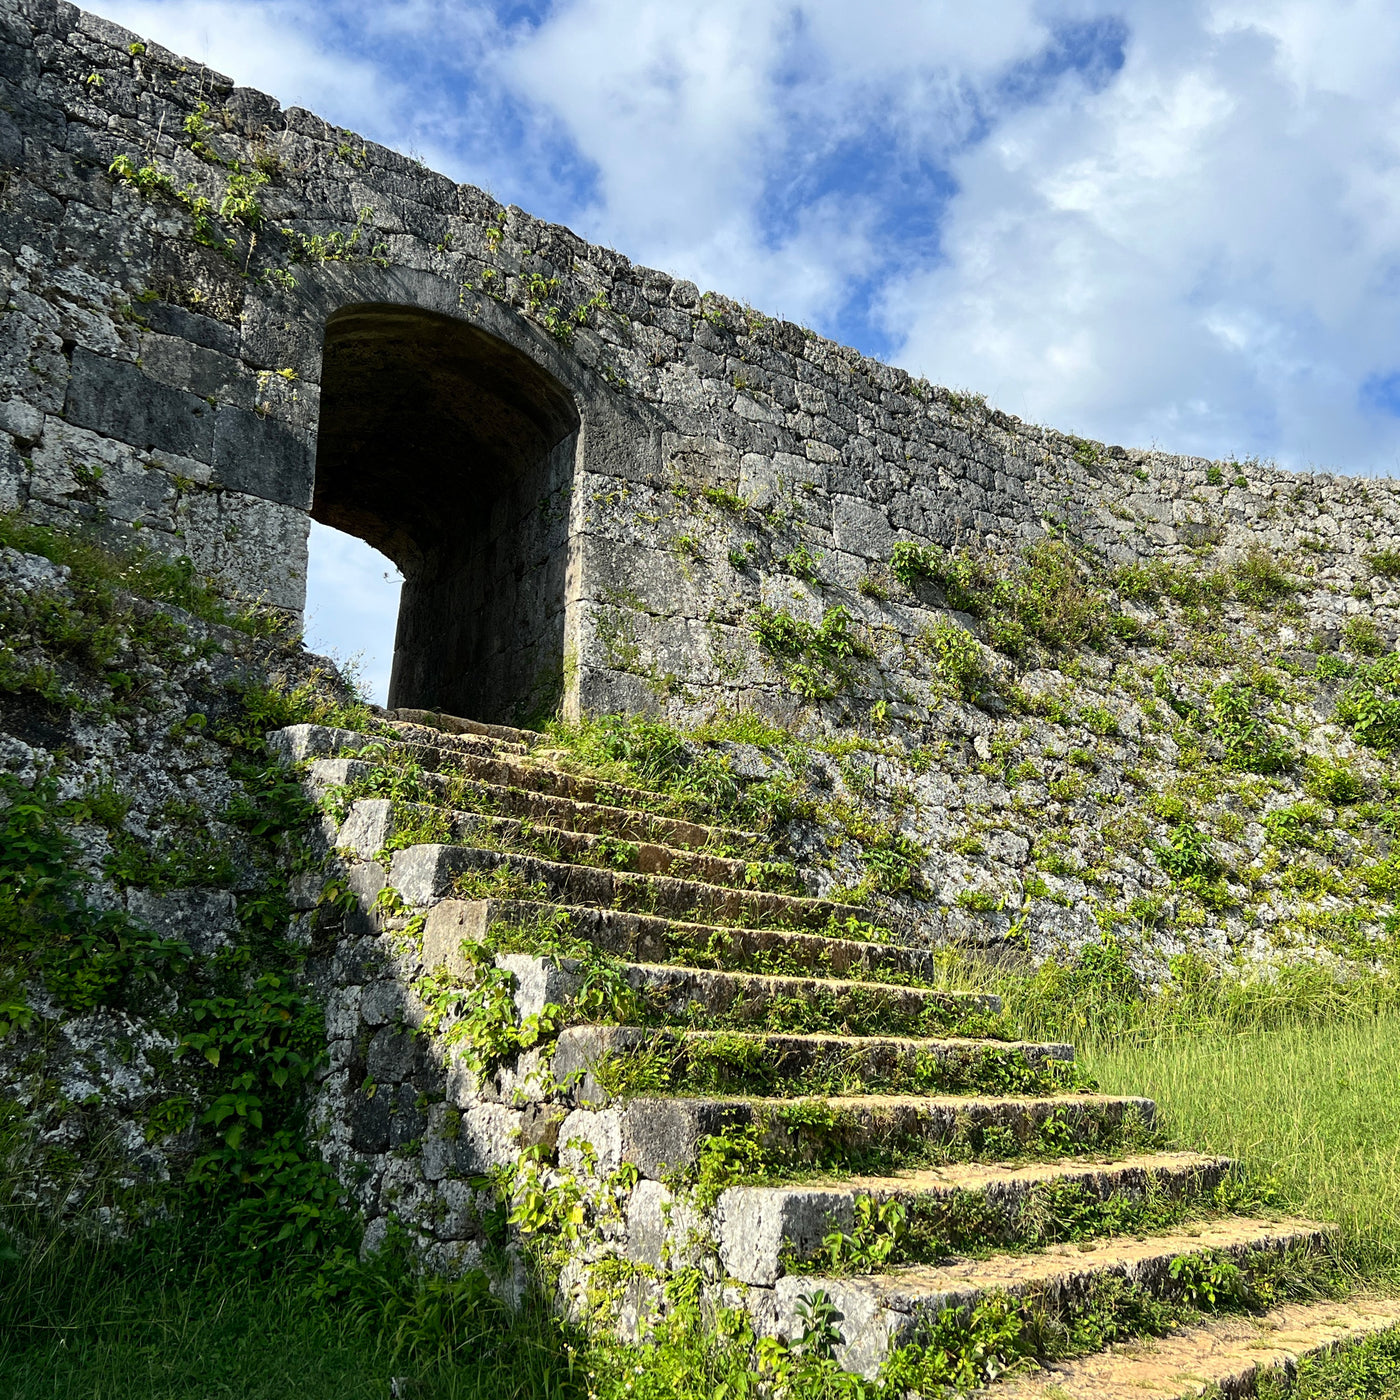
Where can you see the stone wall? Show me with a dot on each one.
(161, 373)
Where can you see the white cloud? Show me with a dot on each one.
(277, 46)
(1191, 255)
(694, 116)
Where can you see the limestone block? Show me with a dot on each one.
(861, 529)
(299, 742)
(205, 919)
(75, 465)
(391, 1055)
(256, 548)
(275, 336)
(753, 1223)
(538, 982)
(449, 924)
(664, 1231)
(117, 399)
(382, 1002)
(601, 1130)
(368, 1117)
(260, 456)
(343, 1012)
(407, 1122)
(14, 477)
(367, 828)
(177, 323)
(700, 461)
(456, 1201)
(423, 874)
(487, 1137)
(182, 364)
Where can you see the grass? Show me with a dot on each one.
(1312, 1106)
(98, 1324)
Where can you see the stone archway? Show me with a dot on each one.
(453, 453)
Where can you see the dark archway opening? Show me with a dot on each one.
(452, 453)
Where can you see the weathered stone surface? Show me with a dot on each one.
(116, 399)
(884, 1311)
(1225, 1356)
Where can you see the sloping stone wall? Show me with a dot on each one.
(160, 370)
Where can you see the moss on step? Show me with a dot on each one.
(722, 1063)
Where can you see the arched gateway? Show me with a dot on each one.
(453, 453)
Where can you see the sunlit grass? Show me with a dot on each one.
(1316, 1107)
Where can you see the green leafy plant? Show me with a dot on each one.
(877, 1232)
(1249, 744)
(956, 657)
(818, 660)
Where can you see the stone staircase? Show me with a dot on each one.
(705, 1071)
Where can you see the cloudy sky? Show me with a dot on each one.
(1171, 222)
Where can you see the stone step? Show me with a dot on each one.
(1225, 1357)
(469, 757)
(604, 1063)
(883, 1311)
(761, 1231)
(373, 822)
(300, 743)
(546, 810)
(647, 938)
(858, 1132)
(660, 994)
(455, 726)
(425, 874)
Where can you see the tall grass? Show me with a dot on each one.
(87, 1321)
(1294, 1071)
(1314, 1106)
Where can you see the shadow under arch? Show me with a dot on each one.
(453, 453)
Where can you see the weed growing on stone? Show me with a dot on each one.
(818, 660)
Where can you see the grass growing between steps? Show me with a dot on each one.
(1315, 1107)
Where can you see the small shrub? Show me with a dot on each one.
(1250, 746)
(1337, 783)
(1370, 703)
(1384, 563)
(801, 563)
(978, 901)
(956, 657)
(1259, 579)
(726, 499)
(1187, 854)
(914, 563)
(1362, 636)
(1293, 826)
(818, 661)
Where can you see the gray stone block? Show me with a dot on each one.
(191, 326)
(116, 399)
(391, 1056)
(754, 1223)
(263, 457)
(205, 919)
(369, 1120)
(367, 828)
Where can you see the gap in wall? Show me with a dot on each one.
(352, 607)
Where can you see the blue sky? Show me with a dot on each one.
(1169, 222)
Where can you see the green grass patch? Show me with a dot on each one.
(1312, 1107)
(147, 1322)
